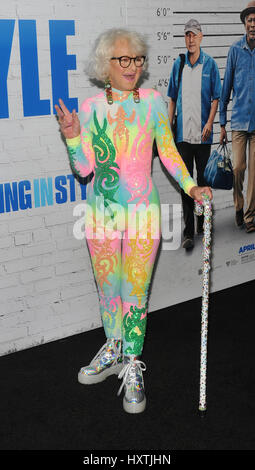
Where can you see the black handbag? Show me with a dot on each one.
(174, 125)
(218, 172)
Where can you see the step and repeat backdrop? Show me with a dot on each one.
(47, 289)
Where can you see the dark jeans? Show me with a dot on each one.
(200, 153)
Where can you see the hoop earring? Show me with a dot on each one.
(136, 95)
(108, 91)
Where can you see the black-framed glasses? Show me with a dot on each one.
(125, 61)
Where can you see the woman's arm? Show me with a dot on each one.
(169, 155)
(78, 140)
(171, 112)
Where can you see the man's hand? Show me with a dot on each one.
(207, 131)
(223, 136)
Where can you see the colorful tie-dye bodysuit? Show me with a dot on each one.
(123, 210)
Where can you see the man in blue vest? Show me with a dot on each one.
(240, 77)
(196, 103)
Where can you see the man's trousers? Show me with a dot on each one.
(199, 153)
(240, 139)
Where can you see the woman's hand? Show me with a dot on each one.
(69, 122)
(197, 192)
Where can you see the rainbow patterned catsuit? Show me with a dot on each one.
(122, 217)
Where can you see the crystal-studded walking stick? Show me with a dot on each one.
(204, 208)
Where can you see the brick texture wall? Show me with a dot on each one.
(47, 289)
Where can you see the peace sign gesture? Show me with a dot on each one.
(69, 122)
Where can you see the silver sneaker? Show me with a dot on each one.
(108, 361)
(134, 400)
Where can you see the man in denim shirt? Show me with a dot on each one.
(240, 77)
(196, 102)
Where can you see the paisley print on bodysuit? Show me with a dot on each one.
(135, 265)
(134, 324)
(106, 180)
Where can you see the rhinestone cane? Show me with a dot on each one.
(206, 209)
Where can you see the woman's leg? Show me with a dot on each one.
(138, 257)
(105, 252)
(106, 261)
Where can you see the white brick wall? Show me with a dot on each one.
(47, 288)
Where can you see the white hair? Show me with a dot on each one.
(99, 60)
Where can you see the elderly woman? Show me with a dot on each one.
(113, 138)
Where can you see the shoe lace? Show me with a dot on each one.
(129, 373)
(102, 351)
